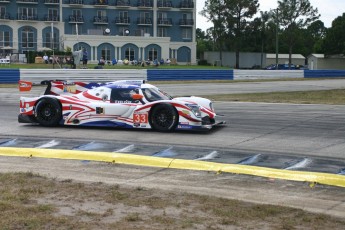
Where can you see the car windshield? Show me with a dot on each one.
(154, 94)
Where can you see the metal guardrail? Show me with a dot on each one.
(169, 75)
(87, 75)
(324, 73)
(105, 75)
(267, 74)
(9, 76)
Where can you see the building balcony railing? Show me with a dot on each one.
(25, 17)
(5, 16)
(76, 2)
(185, 4)
(164, 22)
(52, 2)
(144, 21)
(186, 22)
(122, 3)
(144, 4)
(51, 18)
(122, 20)
(100, 20)
(28, 1)
(5, 1)
(164, 4)
(76, 19)
(100, 3)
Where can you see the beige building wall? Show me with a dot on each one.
(319, 61)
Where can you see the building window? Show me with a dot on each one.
(101, 13)
(77, 13)
(187, 33)
(186, 16)
(162, 32)
(48, 41)
(53, 15)
(27, 38)
(145, 18)
(4, 38)
(2, 12)
(123, 16)
(27, 13)
(105, 53)
(162, 15)
(129, 54)
(153, 54)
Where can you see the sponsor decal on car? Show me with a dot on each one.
(122, 102)
(184, 126)
(185, 112)
(140, 118)
(69, 88)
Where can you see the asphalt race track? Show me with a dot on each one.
(282, 136)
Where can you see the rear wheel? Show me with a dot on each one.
(164, 117)
(48, 112)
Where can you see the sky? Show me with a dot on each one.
(329, 10)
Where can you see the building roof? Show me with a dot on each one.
(317, 55)
(334, 56)
(293, 56)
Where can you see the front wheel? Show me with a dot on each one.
(164, 117)
(48, 112)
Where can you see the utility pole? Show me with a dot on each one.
(277, 37)
(52, 37)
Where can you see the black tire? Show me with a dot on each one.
(48, 112)
(163, 117)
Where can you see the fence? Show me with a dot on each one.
(106, 75)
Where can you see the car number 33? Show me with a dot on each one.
(140, 118)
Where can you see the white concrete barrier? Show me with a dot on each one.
(87, 75)
(267, 74)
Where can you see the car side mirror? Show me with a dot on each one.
(137, 97)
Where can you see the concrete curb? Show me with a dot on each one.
(149, 161)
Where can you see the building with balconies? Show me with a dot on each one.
(121, 29)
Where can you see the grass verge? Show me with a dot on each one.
(332, 97)
(30, 201)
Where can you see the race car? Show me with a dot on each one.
(125, 103)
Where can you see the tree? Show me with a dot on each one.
(204, 43)
(334, 42)
(236, 13)
(229, 18)
(294, 15)
(314, 36)
(214, 12)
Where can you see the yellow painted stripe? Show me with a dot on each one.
(313, 177)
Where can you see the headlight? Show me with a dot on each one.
(195, 109)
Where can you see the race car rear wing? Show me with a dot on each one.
(24, 86)
(58, 87)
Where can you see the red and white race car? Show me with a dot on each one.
(126, 103)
